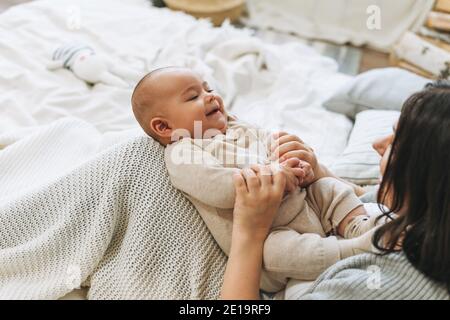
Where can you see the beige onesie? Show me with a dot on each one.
(297, 246)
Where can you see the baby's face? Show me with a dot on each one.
(187, 99)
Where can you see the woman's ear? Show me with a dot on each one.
(161, 127)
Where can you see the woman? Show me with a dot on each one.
(414, 259)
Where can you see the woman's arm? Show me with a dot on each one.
(243, 273)
(258, 196)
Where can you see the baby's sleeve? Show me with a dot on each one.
(267, 138)
(264, 135)
(198, 174)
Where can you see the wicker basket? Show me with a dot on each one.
(216, 10)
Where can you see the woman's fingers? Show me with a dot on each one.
(279, 182)
(252, 180)
(285, 138)
(274, 141)
(299, 154)
(277, 135)
(239, 183)
(265, 174)
(281, 150)
(291, 163)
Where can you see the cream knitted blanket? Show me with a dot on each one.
(113, 221)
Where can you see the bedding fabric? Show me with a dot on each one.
(360, 163)
(117, 225)
(379, 89)
(342, 21)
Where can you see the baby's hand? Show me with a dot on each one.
(293, 173)
(289, 170)
(308, 177)
(286, 146)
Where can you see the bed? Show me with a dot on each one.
(276, 87)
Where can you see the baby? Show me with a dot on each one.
(205, 147)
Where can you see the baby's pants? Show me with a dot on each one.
(301, 249)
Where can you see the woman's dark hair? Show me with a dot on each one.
(416, 184)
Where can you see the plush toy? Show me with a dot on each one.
(88, 66)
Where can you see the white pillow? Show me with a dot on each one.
(359, 162)
(380, 89)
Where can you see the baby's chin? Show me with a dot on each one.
(225, 127)
(221, 124)
(217, 128)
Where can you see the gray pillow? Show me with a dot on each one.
(380, 89)
(359, 162)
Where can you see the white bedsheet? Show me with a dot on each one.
(278, 87)
(342, 21)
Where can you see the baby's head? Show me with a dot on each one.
(170, 99)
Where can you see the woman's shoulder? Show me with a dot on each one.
(371, 276)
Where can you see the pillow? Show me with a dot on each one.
(385, 88)
(359, 162)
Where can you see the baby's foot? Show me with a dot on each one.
(358, 245)
(363, 223)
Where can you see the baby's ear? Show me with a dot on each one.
(161, 127)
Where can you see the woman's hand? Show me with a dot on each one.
(287, 146)
(259, 191)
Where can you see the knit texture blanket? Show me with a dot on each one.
(113, 222)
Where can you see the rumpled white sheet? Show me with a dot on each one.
(341, 21)
(278, 87)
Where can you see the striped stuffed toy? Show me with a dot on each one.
(86, 65)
